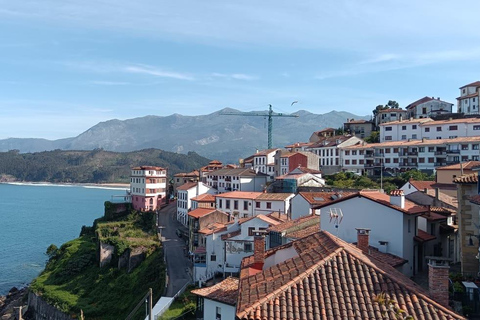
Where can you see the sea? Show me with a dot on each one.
(33, 216)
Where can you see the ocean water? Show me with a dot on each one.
(34, 216)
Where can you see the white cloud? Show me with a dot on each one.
(149, 70)
(236, 76)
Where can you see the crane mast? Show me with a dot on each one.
(268, 115)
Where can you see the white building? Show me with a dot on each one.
(264, 162)
(248, 204)
(389, 115)
(304, 203)
(427, 107)
(185, 193)
(423, 154)
(468, 101)
(241, 179)
(148, 187)
(402, 130)
(392, 221)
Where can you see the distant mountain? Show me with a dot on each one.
(215, 136)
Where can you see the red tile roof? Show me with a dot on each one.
(331, 279)
(475, 199)
(385, 257)
(297, 224)
(467, 179)
(469, 165)
(406, 121)
(148, 168)
(239, 195)
(206, 197)
(423, 236)
(274, 196)
(187, 186)
(419, 101)
(391, 110)
(299, 144)
(225, 291)
(397, 193)
(201, 212)
(473, 84)
(421, 185)
(213, 227)
(318, 198)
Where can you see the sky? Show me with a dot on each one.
(67, 65)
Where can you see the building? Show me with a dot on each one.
(468, 101)
(391, 219)
(425, 155)
(286, 161)
(298, 178)
(184, 177)
(263, 161)
(148, 187)
(291, 230)
(322, 277)
(248, 204)
(411, 186)
(427, 107)
(468, 222)
(185, 194)
(328, 151)
(304, 203)
(236, 179)
(359, 128)
(403, 129)
(200, 219)
(389, 115)
(319, 135)
(446, 174)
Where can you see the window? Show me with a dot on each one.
(354, 162)
(361, 161)
(464, 146)
(347, 162)
(474, 146)
(218, 313)
(452, 137)
(431, 149)
(409, 226)
(235, 204)
(414, 127)
(439, 129)
(257, 204)
(388, 137)
(354, 152)
(395, 160)
(269, 205)
(347, 152)
(414, 136)
(219, 203)
(475, 158)
(213, 257)
(404, 137)
(245, 205)
(421, 160)
(388, 128)
(247, 247)
(421, 149)
(387, 160)
(227, 204)
(427, 129)
(251, 231)
(395, 150)
(452, 128)
(404, 127)
(476, 127)
(431, 160)
(387, 150)
(424, 110)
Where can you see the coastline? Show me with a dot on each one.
(120, 186)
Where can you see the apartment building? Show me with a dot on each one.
(148, 187)
(359, 128)
(396, 156)
(241, 179)
(263, 161)
(468, 101)
(427, 107)
(389, 115)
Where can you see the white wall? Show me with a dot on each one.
(210, 309)
(300, 207)
(385, 223)
(279, 257)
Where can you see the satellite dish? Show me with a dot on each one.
(336, 216)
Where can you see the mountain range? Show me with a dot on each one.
(215, 136)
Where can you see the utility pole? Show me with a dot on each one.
(268, 115)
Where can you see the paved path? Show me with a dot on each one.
(178, 265)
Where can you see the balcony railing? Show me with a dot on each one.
(440, 153)
(369, 155)
(409, 164)
(413, 153)
(439, 164)
(454, 151)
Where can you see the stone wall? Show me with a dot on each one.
(468, 217)
(38, 309)
(105, 252)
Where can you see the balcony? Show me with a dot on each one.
(413, 153)
(228, 178)
(378, 155)
(215, 178)
(409, 165)
(440, 153)
(368, 155)
(369, 166)
(439, 164)
(453, 151)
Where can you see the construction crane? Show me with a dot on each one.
(268, 115)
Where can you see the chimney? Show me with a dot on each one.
(259, 247)
(363, 240)
(397, 198)
(400, 118)
(438, 279)
(383, 246)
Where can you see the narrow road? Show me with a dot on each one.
(178, 264)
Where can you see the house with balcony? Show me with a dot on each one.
(263, 161)
(328, 151)
(402, 130)
(392, 221)
(359, 128)
(427, 107)
(467, 103)
(148, 187)
(236, 179)
(185, 194)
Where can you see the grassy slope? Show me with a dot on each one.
(73, 281)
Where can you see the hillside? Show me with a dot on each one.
(96, 166)
(215, 136)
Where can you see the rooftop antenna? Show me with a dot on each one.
(336, 215)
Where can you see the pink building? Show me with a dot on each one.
(148, 186)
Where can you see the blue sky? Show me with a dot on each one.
(67, 65)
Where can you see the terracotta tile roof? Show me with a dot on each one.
(453, 121)
(391, 110)
(428, 199)
(325, 130)
(225, 291)
(301, 233)
(412, 143)
(385, 257)
(445, 198)
(206, 197)
(265, 152)
(357, 121)
(434, 214)
(193, 173)
(239, 195)
(231, 234)
(475, 199)
(211, 228)
(237, 172)
(330, 141)
(397, 193)
(278, 216)
(318, 198)
(288, 154)
(148, 168)
(187, 186)
(406, 121)
(471, 95)
(307, 170)
(467, 178)
(423, 236)
(421, 185)
(473, 84)
(381, 198)
(274, 196)
(331, 279)
(201, 212)
(297, 224)
(267, 219)
(299, 144)
(465, 165)
(419, 101)
(215, 162)
(443, 210)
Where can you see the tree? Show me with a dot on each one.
(391, 104)
(373, 138)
